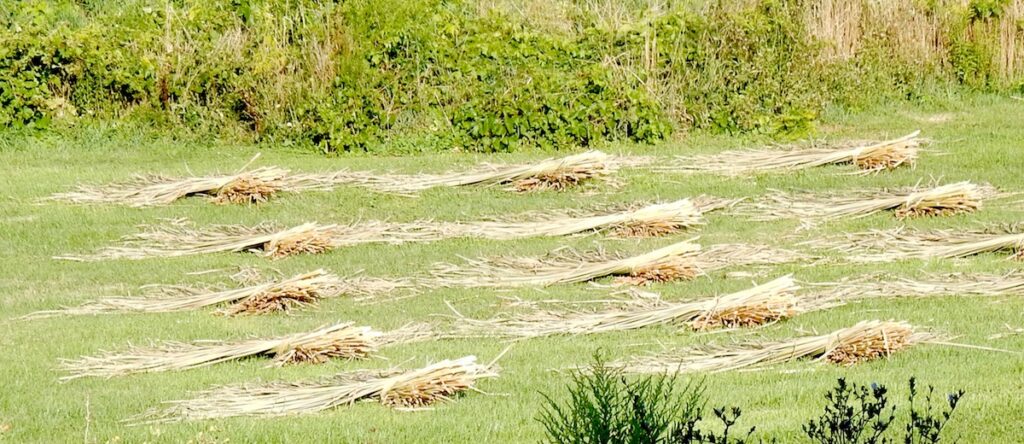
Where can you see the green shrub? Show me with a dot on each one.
(604, 407)
(387, 75)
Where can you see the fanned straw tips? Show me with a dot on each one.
(900, 243)
(759, 305)
(341, 341)
(253, 186)
(869, 158)
(180, 238)
(956, 198)
(865, 341)
(679, 261)
(411, 389)
(276, 295)
(548, 174)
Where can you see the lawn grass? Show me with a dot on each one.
(982, 140)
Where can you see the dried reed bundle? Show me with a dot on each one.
(719, 256)
(961, 197)
(408, 389)
(254, 186)
(179, 238)
(755, 306)
(564, 269)
(651, 220)
(899, 243)
(879, 156)
(680, 261)
(343, 341)
(551, 173)
(864, 341)
(958, 284)
(302, 289)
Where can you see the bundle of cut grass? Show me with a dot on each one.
(719, 256)
(300, 290)
(681, 261)
(407, 389)
(956, 198)
(759, 305)
(675, 261)
(958, 284)
(180, 238)
(651, 220)
(553, 174)
(874, 157)
(254, 186)
(342, 341)
(865, 341)
(899, 243)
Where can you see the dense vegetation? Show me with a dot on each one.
(605, 407)
(487, 76)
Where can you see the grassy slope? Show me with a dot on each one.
(983, 139)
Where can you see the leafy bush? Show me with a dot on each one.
(372, 75)
(858, 414)
(926, 423)
(854, 414)
(604, 407)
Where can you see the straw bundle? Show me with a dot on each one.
(179, 238)
(675, 269)
(556, 174)
(958, 284)
(650, 220)
(961, 197)
(867, 340)
(899, 243)
(874, 157)
(299, 290)
(252, 186)
(409, 389)
(755, 306)
(681, 261)
(342, 340)
(565, 268)
(720, 256)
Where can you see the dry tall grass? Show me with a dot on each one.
(921, 32)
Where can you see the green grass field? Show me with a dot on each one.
(979, 140)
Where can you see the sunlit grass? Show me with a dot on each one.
(983, 142)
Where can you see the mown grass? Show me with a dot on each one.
(981, 140)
